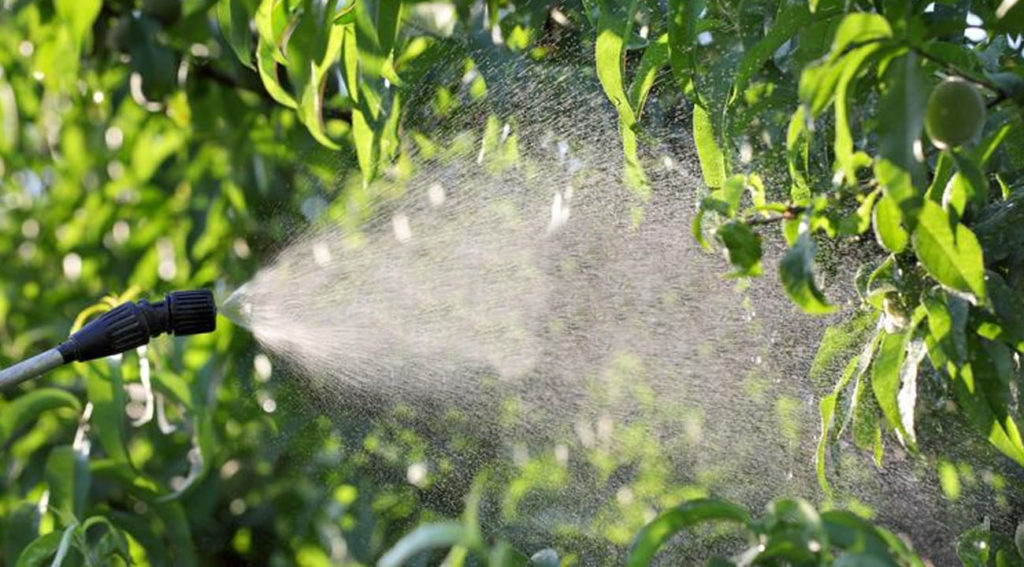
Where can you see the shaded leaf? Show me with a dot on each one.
(797, 274)
(424, 538)
(25, 409)
(744, 248)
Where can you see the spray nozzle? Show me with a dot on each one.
(131, 325)
(127, 326)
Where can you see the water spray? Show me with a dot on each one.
(127, 326)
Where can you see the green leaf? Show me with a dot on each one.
(1005, 321)
(943, 172)
(313, 48)
(1000, 227)
(886, 377)
(797, 274)
(106, 393)
(233, 17)
(867, 423)
(177, 532)
(726, 199)
(967, 186)
(424, 538)
(947, 323)
(389, 15)
(25, 409)
(744, 247)
(272, 22)
(851, 67)
(839, 341)
(79, 16)
(949, 251)
(67, 478)
(791, 18)
(609, 49)
(40, 550)
(859, 28)
(653, 60)
(266, 65)
(982, 391)
(112, 543)
(901, 112)
(19, 527)
(650, 539)
(712, 160)
(906, 399)
(859, 221)
(798, 143)
(855, 371)
(64, 545)
(683, 18)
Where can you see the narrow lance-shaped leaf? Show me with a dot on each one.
(233, 17)
(798, 143)
(712, 160)
(851, 66)
(901, 115)
(67, 478)
(854, 371)
(906, 400)
(653, 60)
(885, 378)
(791, 17)
(389, 15)
(612, 32)
(106, 393)
(266, 66)
(25, 409)
(683, 18)
(79, 16)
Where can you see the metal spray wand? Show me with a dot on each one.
(127, 326)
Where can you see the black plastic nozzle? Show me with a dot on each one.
(131, 325)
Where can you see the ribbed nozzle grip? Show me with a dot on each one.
(125, 329)
(192, 312)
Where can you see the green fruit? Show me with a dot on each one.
(956, 114)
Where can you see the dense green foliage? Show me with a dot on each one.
(157, 144)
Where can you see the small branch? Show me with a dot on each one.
(1001, 95)
(790, 213)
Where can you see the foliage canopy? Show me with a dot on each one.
(156, 143)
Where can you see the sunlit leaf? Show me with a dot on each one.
(712, 160)
(949, 251)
